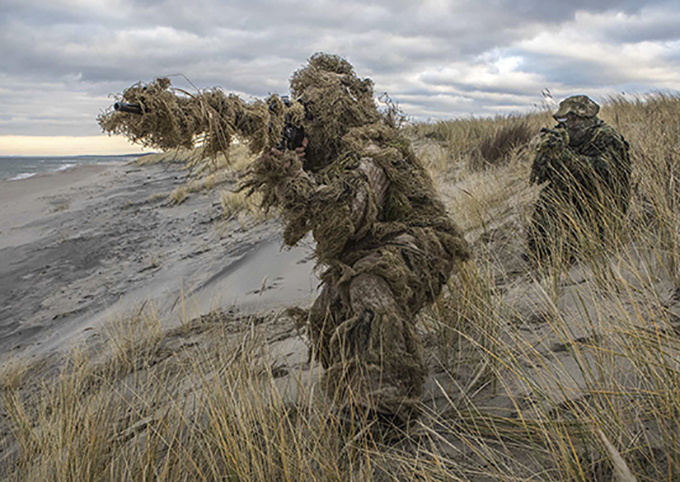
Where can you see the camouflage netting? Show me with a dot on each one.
(173, 118)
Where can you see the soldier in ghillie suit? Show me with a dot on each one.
(383, 238)
(585, 166)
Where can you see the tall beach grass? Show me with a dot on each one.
(559, 372)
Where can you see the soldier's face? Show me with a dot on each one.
(573, 121)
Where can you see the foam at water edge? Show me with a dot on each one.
(23, 175)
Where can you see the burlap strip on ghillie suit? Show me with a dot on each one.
(587, 190)
(384, 239)
(173, 118)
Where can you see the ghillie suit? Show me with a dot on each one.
(170, 118)
(587, 174)
(384, 239)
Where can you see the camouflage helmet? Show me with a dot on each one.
(579, 105)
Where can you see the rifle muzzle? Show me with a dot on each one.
(129, 108)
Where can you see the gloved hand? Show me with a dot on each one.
(550, 147)
(552, 139)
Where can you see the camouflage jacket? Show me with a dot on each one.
(598, 166)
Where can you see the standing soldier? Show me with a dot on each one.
(586, 167)
(345, 173)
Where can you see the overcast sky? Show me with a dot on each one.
(59, 59)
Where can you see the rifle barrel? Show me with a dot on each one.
(129, 108)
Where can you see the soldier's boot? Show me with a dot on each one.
(377, 372)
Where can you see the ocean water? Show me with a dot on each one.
(13, 168)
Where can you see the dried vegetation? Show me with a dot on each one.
(559, 372)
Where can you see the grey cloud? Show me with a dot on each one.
(464, 87)
(72, 54)
(556, 69)
(564, 11)
(48, 108)
(655, 25)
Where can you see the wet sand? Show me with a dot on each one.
(83, 246)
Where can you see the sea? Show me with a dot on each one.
(13, 168)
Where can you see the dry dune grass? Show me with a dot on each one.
(205, 174)
(479, 143)
(559, 372)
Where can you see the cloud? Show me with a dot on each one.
(437, 58)
(584, 55)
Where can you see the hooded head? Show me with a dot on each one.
(335, 101)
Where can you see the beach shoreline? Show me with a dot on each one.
(22, 201)
(86, 245)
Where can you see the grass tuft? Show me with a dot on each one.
(497, 146)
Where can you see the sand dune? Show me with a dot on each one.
(84, 246)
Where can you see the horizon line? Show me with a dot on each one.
(59, 146)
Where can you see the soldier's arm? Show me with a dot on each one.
(613, 164)
(336, 212)
(549, 151)
(610, 160)
(372, 192)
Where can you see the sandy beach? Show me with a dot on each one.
(83, 246)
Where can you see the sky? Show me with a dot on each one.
(60, 60)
